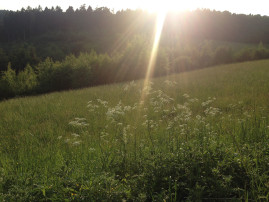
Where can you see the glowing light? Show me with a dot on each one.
(254, 7)
(158, 32)
(167, 5)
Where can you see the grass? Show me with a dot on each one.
(201, 135)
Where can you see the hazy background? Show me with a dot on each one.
(240, 6)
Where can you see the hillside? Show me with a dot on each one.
(197, 135)
(31, 35)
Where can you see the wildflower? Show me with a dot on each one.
(128, 86)
(134, 107)
(78, 122)
(193, 100)
(212, 111)
(209, 101)
(147, 89)
(186, 96)
(246, 114)
(170, 83)
(102, 102)
(76, 143)
(75, 135)
(80, 119)
(127, 108)
(91, 150)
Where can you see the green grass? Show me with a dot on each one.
(197, 136)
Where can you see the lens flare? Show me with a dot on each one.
(158, 32)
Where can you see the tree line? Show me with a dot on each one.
(203, 24)
(33, 34)
(91, 69)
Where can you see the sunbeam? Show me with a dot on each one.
(158, 32)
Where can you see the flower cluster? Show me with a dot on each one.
(80, 122)
(157, 113)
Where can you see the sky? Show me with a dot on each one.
(234, 6)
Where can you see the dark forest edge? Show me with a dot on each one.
(91, 69)
(51, 50)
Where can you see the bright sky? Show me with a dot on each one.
(234, 6)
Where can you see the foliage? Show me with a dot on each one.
(183, 63)
(8, 83)
(33, 34)
(91, 69)
(26, 81)
(223, 55)
(13, 84)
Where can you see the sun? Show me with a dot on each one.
(163, 6)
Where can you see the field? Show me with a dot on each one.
(197, 136)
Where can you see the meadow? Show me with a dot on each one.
(196, 136)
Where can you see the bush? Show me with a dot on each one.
(45, 71)
(246, 54)
(223, 55)
(12, 84)
(183, 63)
(26, 81)
(8, 83)
(260, 52)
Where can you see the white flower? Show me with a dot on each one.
(91, 150)
(186, 95)
(78, 122)
(128, 86)
(170, 83)
(193, 100)
(102, 102)
(127, 108)
(76, 143)
(212, 111)
(75, 135)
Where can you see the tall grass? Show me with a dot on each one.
(201, 135)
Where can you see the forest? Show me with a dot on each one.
(45, 50)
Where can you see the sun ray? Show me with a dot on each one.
(158, 31)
